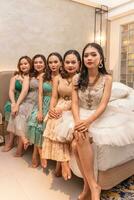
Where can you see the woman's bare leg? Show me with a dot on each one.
(86, 156)
(57, 171)
(85, 194)
(10, 143)
(20, 148)
(66, 171)
(35, 157)
(25, 141)
(42, 160)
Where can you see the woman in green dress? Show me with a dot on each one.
(36, 125)
(17, 91)
(19, 85)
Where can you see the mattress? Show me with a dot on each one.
(107, 157)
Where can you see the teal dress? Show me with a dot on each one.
(7, 107)
(35, 129)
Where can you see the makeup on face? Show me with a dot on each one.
(24, 65)
(91, 57)
(54, 63)
(39, 64)
(71, 64)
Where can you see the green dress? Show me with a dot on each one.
(7, 107)
(35, 129)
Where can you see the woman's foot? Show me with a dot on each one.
(7, 147)
(10, 143)
(66, 172)
(18, 154)
(20, 148)
(95, 192)
(43, 163)
(85, 194)
(26, 145)
(58, 172)
(26, 142)
(35, 162)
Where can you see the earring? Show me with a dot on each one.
(61, 69)
(101, 65)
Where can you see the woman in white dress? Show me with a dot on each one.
(94, 120)
(91, 92)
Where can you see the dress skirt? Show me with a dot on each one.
(35, 129)
(56, 149)
(114, 127)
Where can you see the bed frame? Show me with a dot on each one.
(112, 177)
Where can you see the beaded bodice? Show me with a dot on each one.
(91, 97)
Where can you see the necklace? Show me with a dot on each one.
(95, 80)
(69, 81)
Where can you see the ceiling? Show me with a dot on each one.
(116, 8)
(111, 3)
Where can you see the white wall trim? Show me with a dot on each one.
(88, 3)
(121, 11)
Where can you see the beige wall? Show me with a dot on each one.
(42, 26)
(115, 42)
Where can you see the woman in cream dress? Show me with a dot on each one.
(53, 148)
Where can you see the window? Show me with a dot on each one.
(127, 54)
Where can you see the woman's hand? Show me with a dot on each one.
(81, 129)
(82, 125)
(39, 117)
(81, 136)
(14, 109)
(55, 113)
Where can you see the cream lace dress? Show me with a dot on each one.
(53, 147)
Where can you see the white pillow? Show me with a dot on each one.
(125, 103)
(119, 91)
(121, 86)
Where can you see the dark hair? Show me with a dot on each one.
(48, 70)
(64, 73)
(55, 54)
(35, 73)
(83, 79)
(18, 65)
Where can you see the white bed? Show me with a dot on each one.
(113, 164)
(107, 157)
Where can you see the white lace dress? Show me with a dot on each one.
(114, 127)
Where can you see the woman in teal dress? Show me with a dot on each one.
(7, 107)
(17, 93)
(36, 125)
(35, 128)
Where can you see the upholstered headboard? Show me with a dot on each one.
(4, 88)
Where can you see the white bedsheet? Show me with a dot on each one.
(107, 157)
